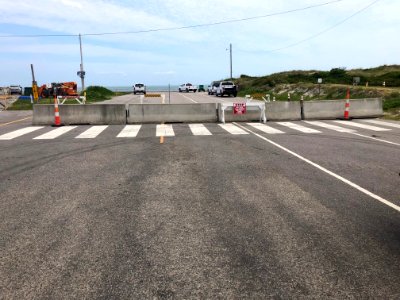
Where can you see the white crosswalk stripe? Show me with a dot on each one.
(382, 123)
(54, 133)
(130, 131)
(364, 126)
(92, 132)
(232, 129)
(165, 130)
(298, 127)
(265, 128)
(19, 132)
(330, 126)
(199, 129)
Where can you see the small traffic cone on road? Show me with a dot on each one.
(347, 105)
(57, 120)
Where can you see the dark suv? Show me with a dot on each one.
(226, 88)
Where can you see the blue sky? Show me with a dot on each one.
(197, 55)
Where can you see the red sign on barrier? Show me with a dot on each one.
(239, 108)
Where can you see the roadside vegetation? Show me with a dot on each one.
(334, 86)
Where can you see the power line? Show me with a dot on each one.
(325, 30)
(176, 28)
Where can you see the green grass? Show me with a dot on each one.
(98, 93)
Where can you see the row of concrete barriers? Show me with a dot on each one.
(99, 114)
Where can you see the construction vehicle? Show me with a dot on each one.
(58, 89)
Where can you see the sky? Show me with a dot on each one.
(341, 34)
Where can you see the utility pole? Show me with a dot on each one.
(230, 51)
(81, 73)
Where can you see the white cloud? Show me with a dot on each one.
(367, 39)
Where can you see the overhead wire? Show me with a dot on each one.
(175, 28)
(325, 30)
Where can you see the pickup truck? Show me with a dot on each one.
(226, 88)
(16, 89)
(139, 88)
(187, 87)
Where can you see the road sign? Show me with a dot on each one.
(239, 108)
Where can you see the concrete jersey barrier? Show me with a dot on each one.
(334, 109)
(93, 114)
(283, 110)
(157, 113)
(104, 114)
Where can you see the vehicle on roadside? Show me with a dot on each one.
(187, 87)
(226, 88)
(16, 89)
(212, 88)
(139, 88)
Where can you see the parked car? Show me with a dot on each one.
(187, 87)
(16, 89)
(226, 88)
(139, 88)
(212, 88)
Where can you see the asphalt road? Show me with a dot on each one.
(173, 98)
(224, 215)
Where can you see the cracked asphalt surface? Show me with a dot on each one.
(218, 216)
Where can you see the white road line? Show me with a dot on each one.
(298, 127)
(92, 132)
(232, 129)
(188, 98)
(130, 131)
(330, 126)
(54, 133)
(199, 129)
(388, 124)
(364, 126)
(348, 182)
(372, 138)
(19, 132)
(165, 130)
(265, 128)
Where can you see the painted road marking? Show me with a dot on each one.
(364, 126)
(15, 121)
(330, 126)
(232, 129)
(19, 132)
(130, 131)
(189, 98)
(298, 127)
(164, 130)
(92, 132)
(265, 128)
(348, 182)
(54, 133)
(199, 129)
(373, 138)
(389, 124)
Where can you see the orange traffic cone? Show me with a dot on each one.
(57, 121)
(347, 105)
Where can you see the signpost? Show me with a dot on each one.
(239, 108)
(34, 86)
(319, 86)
